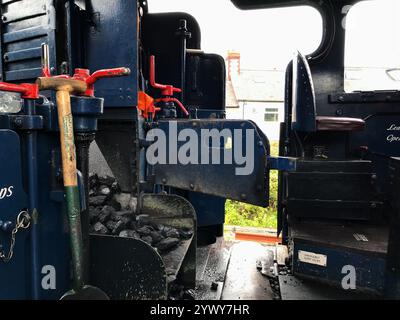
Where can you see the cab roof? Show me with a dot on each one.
(258, 4)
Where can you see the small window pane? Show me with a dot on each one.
(271, 115)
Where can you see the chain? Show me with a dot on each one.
(23, 222)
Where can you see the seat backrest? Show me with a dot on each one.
(303, 99)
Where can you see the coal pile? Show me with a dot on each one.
(114, 213)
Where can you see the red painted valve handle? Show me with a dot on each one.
(27, 90)
(90, 79)
(166, 90)
(84, 75)
(107, 73)
(180, 105)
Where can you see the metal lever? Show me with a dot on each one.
(167, 91)
(27, 90)
(45, 60)
(91, 79)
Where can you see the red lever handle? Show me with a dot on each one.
(84, 75)
(166, 90)
(90, 80)
(105, 73)
(180, 105)
(27, 90)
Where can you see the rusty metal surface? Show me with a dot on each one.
(257, 237)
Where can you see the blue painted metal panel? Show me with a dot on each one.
(370, 268)
(221, 179)
(282, 163)
(26, 24)
(14, 276)
(112, 42)
(210, 210)
(53, 223)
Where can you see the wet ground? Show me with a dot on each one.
(227, 271)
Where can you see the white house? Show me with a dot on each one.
(256, 95)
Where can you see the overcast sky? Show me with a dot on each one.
(267, 38)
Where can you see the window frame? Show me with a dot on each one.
(268, 112)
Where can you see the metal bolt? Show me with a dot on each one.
(59, 175)
(6, 226)
(18, 122)
(192, 186)
(164, 181)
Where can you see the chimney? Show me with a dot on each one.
(232, 59)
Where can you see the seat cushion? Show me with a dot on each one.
(339, 124)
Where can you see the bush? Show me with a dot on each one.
(245, 215)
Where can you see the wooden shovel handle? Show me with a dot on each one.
(70, 176)
(68, 151)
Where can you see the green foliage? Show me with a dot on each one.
(245, 215)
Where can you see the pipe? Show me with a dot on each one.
(184, 34)
(31, 145)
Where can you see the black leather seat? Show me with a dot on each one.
(304, 117)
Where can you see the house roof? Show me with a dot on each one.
(255, 86)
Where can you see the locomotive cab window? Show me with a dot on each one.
(257, 46)
(372, 54)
